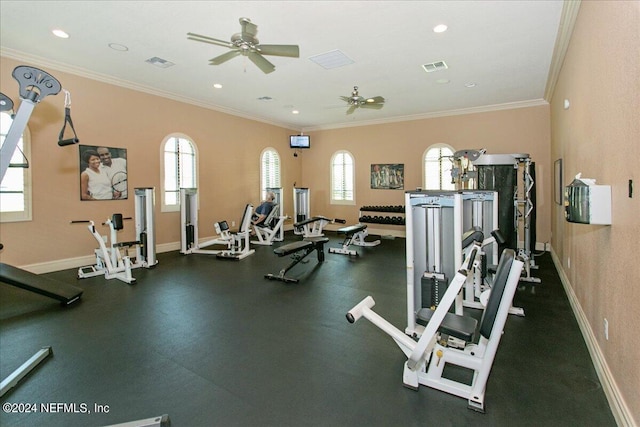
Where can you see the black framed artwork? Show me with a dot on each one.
(557, 181)
(103, 173)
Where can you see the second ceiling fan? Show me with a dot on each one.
(357, 101)
(246, 44)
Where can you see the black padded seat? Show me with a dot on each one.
(473, 235)
(352, 229)
(310, 220)
(292, 247)
(24, 279)
(461, 327)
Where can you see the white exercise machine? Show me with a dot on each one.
(353, 235)
(449, 339)
(240, 246)
(436, 243)
(234, 245)
(114, 261)
(272, 228)
(35, 85)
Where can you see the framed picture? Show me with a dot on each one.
(103, 173)
(387, 176)
(557, 181)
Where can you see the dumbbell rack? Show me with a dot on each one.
(365, 217)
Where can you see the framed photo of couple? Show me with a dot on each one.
(103, 173)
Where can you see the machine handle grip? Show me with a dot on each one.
(79, 221)
(356, 312)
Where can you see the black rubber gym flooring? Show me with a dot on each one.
(212, 343)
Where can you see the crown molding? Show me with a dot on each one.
(568, 18)
(103, 78)
(446, 113)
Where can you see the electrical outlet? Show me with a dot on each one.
(233, 223)
(606, 329)
(569, 262)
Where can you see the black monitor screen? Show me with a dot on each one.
(300, 141)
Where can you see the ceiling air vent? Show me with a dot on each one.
(435, 66)
(159, 62)
(332, 59)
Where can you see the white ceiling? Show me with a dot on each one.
(505, 47)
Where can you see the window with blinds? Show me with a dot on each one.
(342, 178)
(269, 171)
(179, 170)
(438, 163)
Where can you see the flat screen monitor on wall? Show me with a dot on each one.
(300, 141)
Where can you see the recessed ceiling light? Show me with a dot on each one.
(118, 47)
(59, 33)
(217, 86)
(440, 28)
(295, 112)
(470, 85)
(443, 81)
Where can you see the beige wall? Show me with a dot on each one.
(521, 130)
(229, 151)
(599, 136)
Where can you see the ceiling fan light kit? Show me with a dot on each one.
(246, 43)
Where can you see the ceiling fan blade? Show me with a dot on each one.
(248, 27)
(372, 106)
(292, 51)
(266, 66)
(210, 40)
(346, 98)
(352, 109)
(224, 57)
(375, 100)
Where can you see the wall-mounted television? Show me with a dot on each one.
(299, 141)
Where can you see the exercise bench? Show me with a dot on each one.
(298, 251)
(63, 292)
(353, 235)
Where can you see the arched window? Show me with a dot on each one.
(342, 179)
(179, 158)
(15, 189)
(269, 171)
(438, 163)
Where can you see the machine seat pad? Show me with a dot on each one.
(461, 327)
(310, 220)
(352, 229)
(473, 235)
(126, 244)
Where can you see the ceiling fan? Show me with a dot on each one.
(245, 43)
(357, 101)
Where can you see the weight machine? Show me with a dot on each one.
(35, 85)
(499, 172)
(272, 228)
(436, 244)
(114, 261)
(428, 356)
(237, 245)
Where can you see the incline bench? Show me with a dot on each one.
(66, 294)
(298, 251)
(354, 234)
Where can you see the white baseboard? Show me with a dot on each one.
(65, 264)
(619, 408)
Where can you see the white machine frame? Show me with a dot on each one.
(266, 234)
(357, 238)
(240, 241)
(443, 245)
(114, 261)
(189, 241)
(427, 357)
